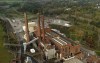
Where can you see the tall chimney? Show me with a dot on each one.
(39, 27)
(43, 28)
(39, 30)
(26, 27)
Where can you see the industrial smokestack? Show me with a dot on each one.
(39, 30)
(43, 30)
(26, 27)
(39, 27)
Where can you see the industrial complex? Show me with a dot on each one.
(38, 43)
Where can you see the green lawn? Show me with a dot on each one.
(5, 57)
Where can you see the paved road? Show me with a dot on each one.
(59, 22)
(54, 21)
(16, 24)
(17, 27)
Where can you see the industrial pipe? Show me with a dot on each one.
(25, 44)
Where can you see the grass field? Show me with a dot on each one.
(5, 57)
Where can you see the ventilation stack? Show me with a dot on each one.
(39, 30)
(26, 28)
(43, 30)
(39, 27)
